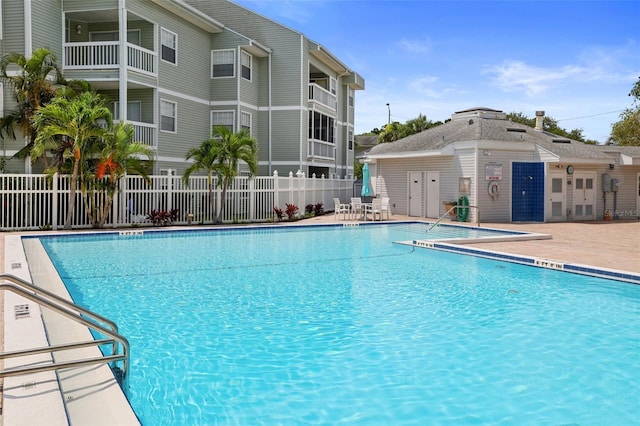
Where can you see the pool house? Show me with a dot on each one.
(511, 172)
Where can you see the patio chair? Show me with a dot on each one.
(375, 208)
(341, 208)
(386, 207)
(356, 206)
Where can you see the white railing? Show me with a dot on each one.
(144, 133)
(141, 59)
(322, 96)
(105, 55)
(321, 149)
(33, 201)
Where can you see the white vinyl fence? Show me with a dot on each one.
(33, 201)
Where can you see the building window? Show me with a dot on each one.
(134, 111)
(169, 42)
(350, 136)
(168, 116)
(332, 85)
(245, 122)
(321, 127)
(223, 63)
(245, 59)
(222, 118)
(351, 96)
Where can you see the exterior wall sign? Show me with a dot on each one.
(493, 171)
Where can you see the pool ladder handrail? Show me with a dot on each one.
(437, 222)
(76, 313)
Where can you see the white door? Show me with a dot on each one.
(584, 196)
(557, 189)
(415, 193)
(433, 194)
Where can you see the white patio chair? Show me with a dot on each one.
(341, 208)
(386, 207)
(356, 207)
(375, 208)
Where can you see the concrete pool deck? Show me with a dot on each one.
(610, 245)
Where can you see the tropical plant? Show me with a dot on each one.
(35, 81)
(204, 158)
(291, 210)
(74, 125)
(222, 154)
(278, 212)
(119, 155)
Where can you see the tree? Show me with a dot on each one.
(204, 158)
(119, 155)
(550, 125)
(74, 124)
(34, 85)
(627, 130)
(222, 154)
(394, 131)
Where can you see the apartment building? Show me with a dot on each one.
(174, 69)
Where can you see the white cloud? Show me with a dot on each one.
(517, 76)
(416, 46)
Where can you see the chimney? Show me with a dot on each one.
(539, 120)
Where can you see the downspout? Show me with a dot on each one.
(28, 50)
(302, 108)
(270, 142)
(122, 84)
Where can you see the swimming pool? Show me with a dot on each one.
(338, 324)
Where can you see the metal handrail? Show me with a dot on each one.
(449, 211)
(74, 312)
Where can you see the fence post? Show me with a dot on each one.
(276, 189)
(252, 200)
(54, 202)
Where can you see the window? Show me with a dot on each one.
(133, 111)
(222, 63)
(351, 98)
(169, 42)
(168, 116)
(222, 118)
(245, 64)
(350, 136)
(245, 121)
(322, 127)
(332, 85)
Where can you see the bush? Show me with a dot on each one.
(162, 217)
(291, 211)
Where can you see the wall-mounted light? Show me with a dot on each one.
(487, 152)
(612, 166)
(78, 29)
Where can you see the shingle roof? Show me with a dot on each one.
(485, 124)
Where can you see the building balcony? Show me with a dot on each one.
(105, 55)
(321, 150)
(145, 133)
(322, 96)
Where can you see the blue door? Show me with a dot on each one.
(527, 193)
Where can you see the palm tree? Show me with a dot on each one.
(204, 158)
(120, 154)
(76, 123)
(229, 149)
(222, 154)
(34, 85)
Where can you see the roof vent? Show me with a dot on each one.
(560, 141)
(515, 129)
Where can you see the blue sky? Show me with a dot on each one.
(576, 60)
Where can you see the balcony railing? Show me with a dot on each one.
(144, 133)
(321, 149)
(322, 96)
(105, 55)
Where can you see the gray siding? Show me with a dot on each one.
(47, 32)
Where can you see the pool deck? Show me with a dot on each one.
(610, 245)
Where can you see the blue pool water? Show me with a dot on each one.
(329, 325)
